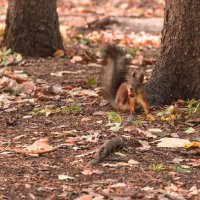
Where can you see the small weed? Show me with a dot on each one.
(91, 81)
(83, 40)
(133, 51)
(114, 117)
(157, 167)
(73, 108)
(137, 122)
(193, 107)
(182, 169)
(39, 111)
(7, 57)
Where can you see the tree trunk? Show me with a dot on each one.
(32, 27)
(177, 74)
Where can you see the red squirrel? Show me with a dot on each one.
(122, 94)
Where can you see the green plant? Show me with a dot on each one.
(193, 106)
(91, 81)
(7, 57)
(182, 169)
(73, 108)
(157, 167)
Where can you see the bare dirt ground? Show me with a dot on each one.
(75, 120)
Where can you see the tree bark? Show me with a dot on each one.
(32, 27)
(177, 74)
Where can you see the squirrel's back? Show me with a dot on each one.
(115, 70)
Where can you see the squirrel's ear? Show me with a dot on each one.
(134, 74)
(141, 78)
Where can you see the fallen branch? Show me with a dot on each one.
(26, 152)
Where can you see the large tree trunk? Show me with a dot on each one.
(177, 74)
(32, 27)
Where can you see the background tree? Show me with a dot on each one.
(177, 74)
(32, 27)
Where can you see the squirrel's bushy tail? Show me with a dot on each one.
(115, 71)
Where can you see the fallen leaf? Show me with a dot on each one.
(195, 162)
(147, 188)
(65, 177)
(28, 87)
(133, 162)
(61, 73)
(145, 145)
(121, 164)
(172, 142)
(88, 92)
(85, 119)
(116, 127)
(91, 171)
(150, 117)
(146, 133)
(190, 130)
(85, 197)
(41, 144)
(169, 118)
(193, 190)
(129, 128)
(192, 145)
(177, 160)
(118, 185)
(99, 113)
(158, 132)
(76, 59)
(59, 53)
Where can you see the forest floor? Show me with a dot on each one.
(54, 120)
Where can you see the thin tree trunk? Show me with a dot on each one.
(32, 27)
(177, 74)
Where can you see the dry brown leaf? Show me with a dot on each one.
(28, 87)
(146, 133)
(91, 171)
(195, 162)
(59, 53)
(129, 128)
(145, 145)
(77, 59)
(150, 117)
(169, 118)
(41, 144)
(16, 77)
(85, 197)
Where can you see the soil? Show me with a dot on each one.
(79, 135)
(26, 177)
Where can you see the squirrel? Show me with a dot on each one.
(122, 94)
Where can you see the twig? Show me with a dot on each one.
(26, 152)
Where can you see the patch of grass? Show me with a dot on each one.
(182, 169)
(73, 108)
